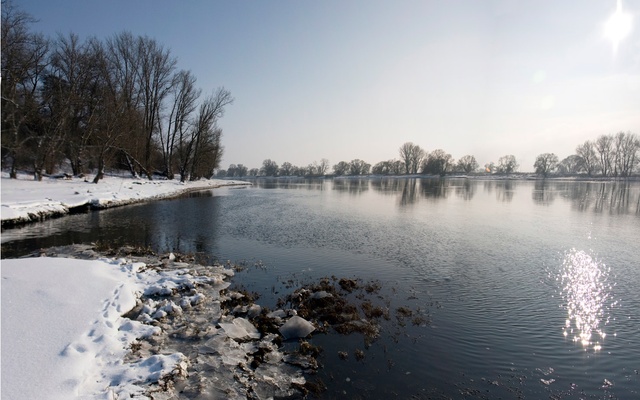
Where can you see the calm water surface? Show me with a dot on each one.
(530, 288)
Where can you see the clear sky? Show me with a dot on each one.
(353, 79)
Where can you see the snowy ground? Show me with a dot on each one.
(106, 328)
(26, 200)
(63, 336)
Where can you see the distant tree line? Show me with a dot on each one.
(271, 168)
(119, 102)
(609, 156)
(413, 160)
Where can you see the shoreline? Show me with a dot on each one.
(179, 327)
(495, 177)
(168, 325)
(25, 201)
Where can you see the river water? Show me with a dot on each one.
(523, 288)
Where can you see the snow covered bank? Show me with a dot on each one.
(119, 328)
(63, 335)
(25, 200)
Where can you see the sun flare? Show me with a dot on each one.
(617, 26)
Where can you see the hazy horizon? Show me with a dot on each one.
(356, 79)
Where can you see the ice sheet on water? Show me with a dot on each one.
(276, 380)
(240, 328)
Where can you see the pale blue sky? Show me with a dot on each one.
(356, 79)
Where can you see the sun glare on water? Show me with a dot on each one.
(587, 294)
(617, 26)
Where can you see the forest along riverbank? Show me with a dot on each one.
(25, 200)
(203, 338)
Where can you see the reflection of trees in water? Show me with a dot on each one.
(409, 192)
(466, 190)
(434, 188)
(389, 185)
(288, 183)
(351, 185)
(407, 188)
(414, 189)
(504, 189)
(543, 193)
(612, 197)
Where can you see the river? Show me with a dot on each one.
(516, 288)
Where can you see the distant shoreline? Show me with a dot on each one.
(515, 177)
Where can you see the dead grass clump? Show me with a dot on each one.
(370, 311)
(348, 285)
(404, 312)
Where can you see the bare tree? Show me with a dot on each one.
(286, 169)
(254, 172)
(184, 97)
(507, 164)
(545, 164)
(588, 155)
(242, 170)
(412, 156)
(604, 146)
(627, 146)
(438, 162)
(571, 165)
(322, 167)
(76, 84)
(467, 164)
(24, 60)
(203, 151)
(359, 167)
(122, 64)
(382, 168)
(269, 168)
(79, 100)
(154, 73)
(341, 168)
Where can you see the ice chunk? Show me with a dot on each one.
(320, 295)
(254, 310)
(240, 328)
(277, 314)
(296, 327)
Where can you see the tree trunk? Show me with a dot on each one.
(13, 173)
(132, 168)
(100, 173)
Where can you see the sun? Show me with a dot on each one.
(617, 26)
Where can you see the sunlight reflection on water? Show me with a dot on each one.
(586, 290)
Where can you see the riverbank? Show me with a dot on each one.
(25, 200)
(76, 324)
